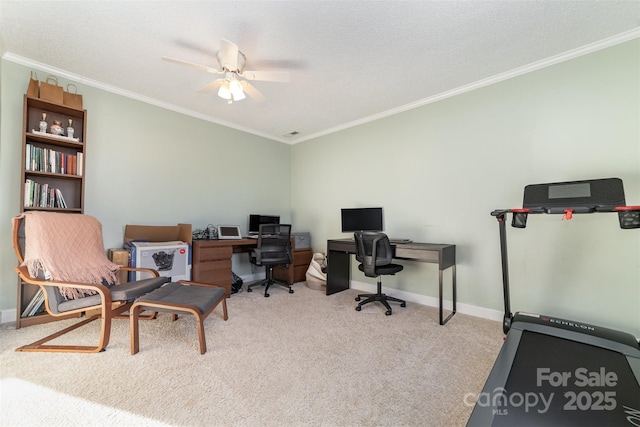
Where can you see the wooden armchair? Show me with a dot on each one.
(69, 241)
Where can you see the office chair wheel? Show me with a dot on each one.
(358, 308)
(266, 295)
(357, 298)
(404, 304)
(290, 291)
(249, 289)
(388, 312)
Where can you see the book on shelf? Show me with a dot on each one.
(39, 159)
(34, 305)
(39, 308)
(60, 200)
(80, 164)
(27, 159)
(42, 195)
(27, 192)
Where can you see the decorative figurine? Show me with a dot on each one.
(56, 128)
(43, 123)
(70, 129)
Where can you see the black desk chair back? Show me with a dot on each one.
(374, 253)
(274, 248)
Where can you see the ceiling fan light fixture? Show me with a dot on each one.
(224, 91)
(232, 63)
(236, 90)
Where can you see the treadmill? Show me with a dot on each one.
(553, 371)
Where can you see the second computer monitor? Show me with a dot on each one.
(256, 220)
(361, 219)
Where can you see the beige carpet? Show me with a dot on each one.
(301, 359)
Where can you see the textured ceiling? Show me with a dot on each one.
(349, 61)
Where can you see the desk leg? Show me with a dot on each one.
(338, 271)
(453, 284)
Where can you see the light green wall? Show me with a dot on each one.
(440, 170)
(148, 165)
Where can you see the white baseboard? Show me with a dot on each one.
(471, 310)
(8, 315)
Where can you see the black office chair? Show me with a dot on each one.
(274, 248)
(374, 253)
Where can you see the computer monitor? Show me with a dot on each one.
(256, 220)
(362, 219)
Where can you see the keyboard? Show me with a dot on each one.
(399, 241)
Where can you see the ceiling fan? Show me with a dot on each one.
(235, 83)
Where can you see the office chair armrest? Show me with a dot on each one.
(256, 254)
(388, 253)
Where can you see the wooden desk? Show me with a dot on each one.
(211, 261)
(339, 264)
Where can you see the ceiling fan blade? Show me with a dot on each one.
(193, 65)
(267, 76)
(228, 55)
(211, 86)
(252, 91)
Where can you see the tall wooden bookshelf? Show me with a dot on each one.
(52, 175)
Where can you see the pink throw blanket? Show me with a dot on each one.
(68, 247)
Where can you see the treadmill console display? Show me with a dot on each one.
(566, 191)
(579, 196)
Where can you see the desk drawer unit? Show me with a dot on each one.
(416, 253)
(212, 253)
(212, 264)
(344, 245)
(297, 272)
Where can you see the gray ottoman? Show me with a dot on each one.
(183, 296)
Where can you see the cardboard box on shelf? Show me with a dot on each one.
(158, 233)
(120, 256)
